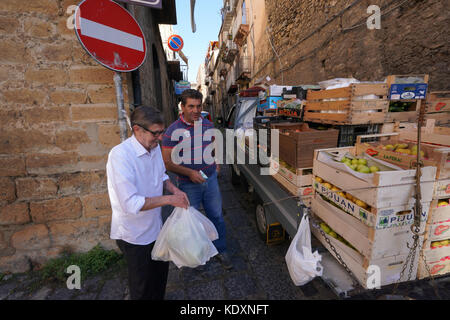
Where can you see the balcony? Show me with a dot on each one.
(243, 70)
(230, 52)
(228, 11)
(241, 27)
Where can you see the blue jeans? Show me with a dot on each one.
(208, 194)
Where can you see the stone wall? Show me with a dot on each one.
(58, 121)
(316, 41)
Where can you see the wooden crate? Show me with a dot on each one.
(438, 102)
(441, 189)
(377, 242)
(390, 267)
(441, 118)
(384, 189)
(304, 192)
(404, 116)
(438, 213)
(378, 218)
(429, 133)
(434, 155)
(438, 260)
(297, 143)
(300, 178)
(344, 106)
(438, 231)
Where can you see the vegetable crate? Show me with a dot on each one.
(380, 189)
(360, 103)
(405, 94)
(297, 142)
(359, 246)
(298, 177)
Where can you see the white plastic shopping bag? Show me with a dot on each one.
(186, 239)
(302, 263)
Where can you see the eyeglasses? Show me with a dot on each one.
(154, 133)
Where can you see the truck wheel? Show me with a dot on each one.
(235, 178)
(261, 220)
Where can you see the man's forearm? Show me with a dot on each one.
(155, 202)
(169, 186)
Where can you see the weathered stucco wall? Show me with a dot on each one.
(313, 46)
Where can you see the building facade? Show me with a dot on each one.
(298, 42)
(58, 118)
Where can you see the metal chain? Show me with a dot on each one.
(433, 284)
(338, 256)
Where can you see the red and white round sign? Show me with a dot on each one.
(110, 34)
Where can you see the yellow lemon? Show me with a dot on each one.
(318, 179)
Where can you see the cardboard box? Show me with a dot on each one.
(269, 103)
(298, 142)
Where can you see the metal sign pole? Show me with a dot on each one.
(120, 106)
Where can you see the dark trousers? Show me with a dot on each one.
(147, 278)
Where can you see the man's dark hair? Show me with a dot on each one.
(190, 93)
(146, 116)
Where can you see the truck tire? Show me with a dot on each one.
(261, 220)
(235, 178)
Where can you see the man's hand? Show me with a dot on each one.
(217, 168)
(179, 200)
(196, 177)
(179, 192)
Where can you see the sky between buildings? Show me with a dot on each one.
(208, 21)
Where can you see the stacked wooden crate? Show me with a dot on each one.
(435, 249)
(359, 103)
(371, 216)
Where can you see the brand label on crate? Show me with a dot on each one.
(408, 91)
(384, 219)
(398, 220)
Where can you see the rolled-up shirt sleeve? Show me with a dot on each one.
(122, 178)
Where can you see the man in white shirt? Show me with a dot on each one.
(136, 179)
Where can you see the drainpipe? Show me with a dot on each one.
(120, 107)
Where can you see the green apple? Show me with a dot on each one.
(353, 167)
(344, 159)
(374, 169)
(362, 161)
(364, 169)
(355, 161)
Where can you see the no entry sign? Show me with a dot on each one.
(175, 42)
(110, 34)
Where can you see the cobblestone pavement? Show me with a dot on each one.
(259, 271)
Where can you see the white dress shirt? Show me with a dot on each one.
(133, 174)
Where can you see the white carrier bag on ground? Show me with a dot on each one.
(302, 263)
(186, 239)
